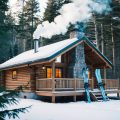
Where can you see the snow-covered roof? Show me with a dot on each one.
(44, 53)
(47, 53)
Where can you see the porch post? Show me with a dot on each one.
(118, 93)
(105, 77)
(75, 82)
(53, 80)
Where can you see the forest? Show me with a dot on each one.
(16, 29)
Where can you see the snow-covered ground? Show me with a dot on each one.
(109, 110)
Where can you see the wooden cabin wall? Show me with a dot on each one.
(40, 73)
(33, 78)
(2, 78)
(23, 78)
(69, 60)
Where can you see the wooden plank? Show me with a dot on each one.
(53, 99)
(105, 76)
(53, 75)
(23, 77)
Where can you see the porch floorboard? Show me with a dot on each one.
(73, 93)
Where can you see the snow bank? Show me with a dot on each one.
(70, 111)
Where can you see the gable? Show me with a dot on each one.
(97, 56)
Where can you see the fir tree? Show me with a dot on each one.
(105, 29)
(51, 12)
(8, 98)
(5, 31)
(28, 21)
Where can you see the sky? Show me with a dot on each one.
(15, 7)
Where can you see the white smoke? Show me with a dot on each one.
(71, 13)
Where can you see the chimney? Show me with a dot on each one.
(36, 45)
(76, 33)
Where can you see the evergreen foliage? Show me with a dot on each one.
(15, 39)
(6, 23)
(7, 98)
(105, 30)
(28, 21)
(51, 12)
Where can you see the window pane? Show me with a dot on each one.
(49, 72)
(14, 74)
(58, 73)
(89, 74)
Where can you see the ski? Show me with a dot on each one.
(100, 84)
(86, 83)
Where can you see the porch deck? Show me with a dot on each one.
(72, 87)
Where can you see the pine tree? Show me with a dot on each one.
(5, 28)
(28, 23)
(106, 29)
(3, 9)
(8, 98)
(51, 12)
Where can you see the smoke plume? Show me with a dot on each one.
(71, 13)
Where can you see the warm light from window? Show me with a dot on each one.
(14, 74)
(49, 72)
(58, 73)
(89, 75)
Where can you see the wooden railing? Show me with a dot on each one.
(69, 84)
(44, 84)
(60, 84)
(112, 84)
(72, 84)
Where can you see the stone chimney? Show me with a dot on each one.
(75, 33)
(36, 45)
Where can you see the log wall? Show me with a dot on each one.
(40, 73)
(23, 78)
(2, 78)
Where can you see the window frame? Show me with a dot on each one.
(47, 72)
(14, 77)
(55, 72)
(61, 72)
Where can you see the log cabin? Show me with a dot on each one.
(56, 69)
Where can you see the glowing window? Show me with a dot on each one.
(49, 72)
(89, 74)
(58, 73)
(14, 74)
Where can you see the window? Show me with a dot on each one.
(14, 74)
(49, 72)
(89, 74)
(58, 72)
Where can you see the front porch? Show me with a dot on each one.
(64, 76)
(73, 87)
